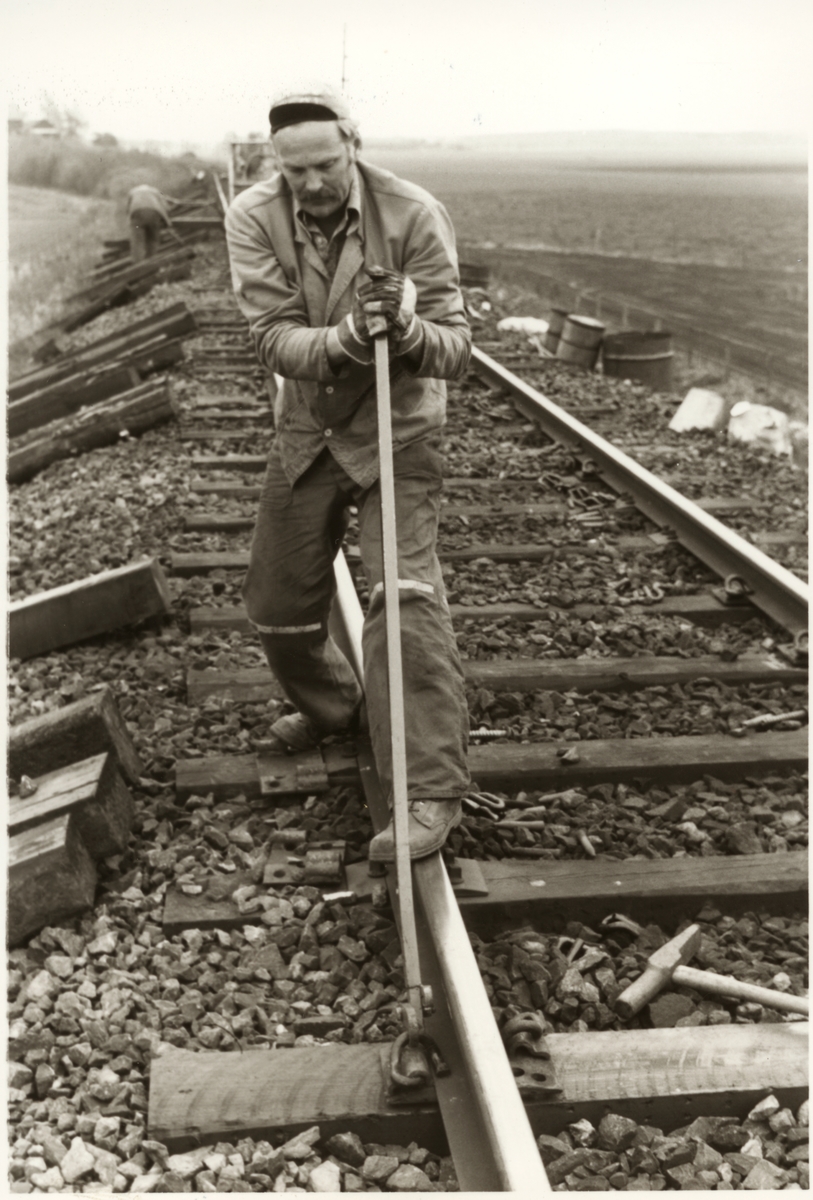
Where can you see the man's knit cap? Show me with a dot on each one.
(292, 108)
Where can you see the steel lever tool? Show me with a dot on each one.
(419, 997)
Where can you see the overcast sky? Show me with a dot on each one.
(194, 70)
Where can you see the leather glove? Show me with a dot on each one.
(394, 296)
(353, 334)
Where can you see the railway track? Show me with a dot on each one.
(613, 682)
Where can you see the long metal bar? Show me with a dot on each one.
(395, 679)
(487, 1128)
(775, 590)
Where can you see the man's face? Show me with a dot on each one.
(317, 165)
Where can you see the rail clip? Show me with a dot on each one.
(529, 1056)
(735, 590)
(414, 1058)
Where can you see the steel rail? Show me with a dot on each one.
(488, 1130)
(775, 590)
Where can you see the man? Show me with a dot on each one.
(315, 250)
(148, 213)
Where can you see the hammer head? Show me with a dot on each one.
(678, 951)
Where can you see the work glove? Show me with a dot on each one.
(388, 294)
(353, 334)
(393, 296)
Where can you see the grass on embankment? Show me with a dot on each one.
(65, 198)
(54, 239)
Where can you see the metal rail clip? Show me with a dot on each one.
(796, 651)
(529, 1056)
(735, 590)
(414, 1059)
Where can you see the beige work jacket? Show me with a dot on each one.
(283, 288)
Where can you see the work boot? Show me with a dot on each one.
(290, 734)
(430, 823)
(294, 733)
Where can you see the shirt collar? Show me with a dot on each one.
(352, 215)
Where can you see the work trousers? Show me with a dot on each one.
(288, 593)
(145, 230)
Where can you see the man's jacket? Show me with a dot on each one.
(282, 287)
(146, 197)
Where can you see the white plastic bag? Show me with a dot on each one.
(760, 426)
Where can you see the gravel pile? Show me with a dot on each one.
(609, 631)
(705, 818)
(768, 1150)
(572, 981)
(702, 707)
(80, 1160)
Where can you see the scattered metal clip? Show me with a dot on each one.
(619, 921)
(569, 947)
(766, 720)
(484, 804)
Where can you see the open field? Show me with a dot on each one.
(720, 256)
(738, 218)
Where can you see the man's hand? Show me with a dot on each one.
(391, 295)
(351, 337)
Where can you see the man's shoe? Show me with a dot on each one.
(430, 823)
(290, 734)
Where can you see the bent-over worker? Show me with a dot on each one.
(148, 213)
(314, 251)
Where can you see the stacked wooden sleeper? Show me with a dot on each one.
(76, 810)
(88, 397)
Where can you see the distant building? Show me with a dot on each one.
(45, 128)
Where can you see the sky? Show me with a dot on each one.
(197, 70)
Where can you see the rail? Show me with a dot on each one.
(779, 593)
(487, 1127)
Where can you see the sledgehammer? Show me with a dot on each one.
(666, 966)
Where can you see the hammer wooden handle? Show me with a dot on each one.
(654, 980)
(721, 985)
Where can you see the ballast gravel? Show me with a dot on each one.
(93, 1001)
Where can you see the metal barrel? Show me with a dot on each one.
(558, 316)
(646, 357)
(580, 341)
(474, 274)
